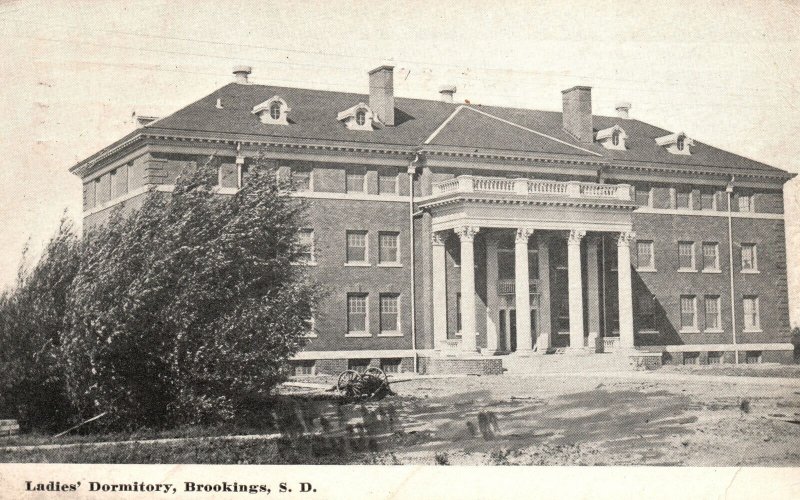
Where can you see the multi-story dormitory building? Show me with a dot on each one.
(498, 230)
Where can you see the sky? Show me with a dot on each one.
(73, 74)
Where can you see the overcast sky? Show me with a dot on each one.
(73, 73)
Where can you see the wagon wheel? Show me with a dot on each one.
(349, 383)
(374, 381)
(374, 371)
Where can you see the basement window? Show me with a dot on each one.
(359, 365)
(715, 358)
(753, 357)
(391, 365)
(691, 358)
(304, 368)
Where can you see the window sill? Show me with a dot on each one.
(311, 335)
(750, 271)
(714, 330)
(358, 334)
(646, 270)
(711, 271)
(357, 264)
(649, 332)
(390, 264)
(687, 270)
(390, 334)
(758, 330)
(689, 330)
(312, 263)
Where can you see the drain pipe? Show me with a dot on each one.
(729, 191)
(412, 170)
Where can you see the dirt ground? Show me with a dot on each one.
(668, 417)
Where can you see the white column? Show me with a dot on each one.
(625, 289)
(522, 290)
(468, 331)
(575, 282)
(439, 290)
(492, 306)
(545, 320)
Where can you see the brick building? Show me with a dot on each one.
(498, 230)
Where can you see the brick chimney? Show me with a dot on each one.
(381, 93)
(577, 114)
(446, 92)
(240, 73)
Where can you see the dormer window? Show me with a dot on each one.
(273, 111)
(612, 138)
(359, 117)
(677, 144)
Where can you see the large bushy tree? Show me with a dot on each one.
(190, 305)
(32, 324)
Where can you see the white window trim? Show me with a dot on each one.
(692, 269)
(652, 267)
(391, 263)
(313, 260)
(754, 269)
(310, 189)
(719, 314)
(364, 183)
(753, 328)
(711, 270)
(690, 328)
(396, 185)
(399, 331)
(358, 333)
(356, 263)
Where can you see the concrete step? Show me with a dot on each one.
(567, 363)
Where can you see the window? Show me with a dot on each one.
(749, 257)
(301, 180)
(710, 256)
(647, 312)
(228, 175)
(683, 198)
(387, 183)
(391, 365)
(361, 117)
(688, 312)
(275, 111)
(304, 367)
(615, 138)
(643, 196)
(306, 241)
(691, 358)
(680, 143)
(388, 248)
(752, 357)
(644, 255)
(752, 322)
(359, 365)
(356, 246)
(686, 255)
(390, 312)
(715, 358)
(562, 322)
(712, 313)
(355, 182)
(707, 200)
(357, 313)
(458, 313)
(745, 203)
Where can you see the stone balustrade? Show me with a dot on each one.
(533, 187)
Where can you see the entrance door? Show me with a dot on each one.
(508, 328)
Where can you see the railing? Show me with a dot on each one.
(509, 287)
(536, 187)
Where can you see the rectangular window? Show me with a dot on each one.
(745, 203)
(388, 244)
(355, 182)
(683, 198)
(715, 358)
(691, 358)
(751, 314)
(228, 175)
(712, 313)
(707, 200)
(749, 257)
(359, 365)
(391, 365)
(644, 255)
(752, 357)
(356, 246)
(390, 312)
(301, 180)
(562, 321)
(357, 313)
(647, 312)
(643, 196)
(306, 241)
(688, 312)
(686, 255)
(304, 367)
(387, 183)
(458, 312)
(710, 256)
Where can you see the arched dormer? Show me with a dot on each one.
(612, 137)
(273, 111)
(677, 144)
(359, 117)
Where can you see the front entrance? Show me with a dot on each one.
(508, 327)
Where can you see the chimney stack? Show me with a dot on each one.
(241, 73)
(622, 109)
(381, 93)
(446, 92)
(577, 113)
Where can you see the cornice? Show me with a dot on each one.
(432, 202)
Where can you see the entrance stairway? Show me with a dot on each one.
(567, 363)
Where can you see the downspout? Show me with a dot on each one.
(412, 169)
(729, 191)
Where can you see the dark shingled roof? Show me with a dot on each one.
(313, 118)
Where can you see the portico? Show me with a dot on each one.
(522, 230)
